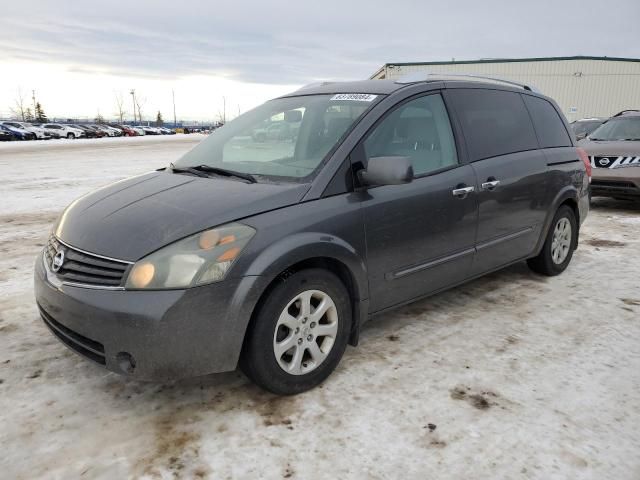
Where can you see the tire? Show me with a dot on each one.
(70, 136)
(259, 360)
(559, 245)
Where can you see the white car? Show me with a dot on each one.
(64, 130)
(112, 132)
(150, 130)
(41, 133)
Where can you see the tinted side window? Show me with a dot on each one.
(418, 129)
(550, 129)
(495, 122)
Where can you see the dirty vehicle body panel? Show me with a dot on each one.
(389, 244)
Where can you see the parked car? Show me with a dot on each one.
(582, 128)
(64, 131)
(150, 130)
(109, 131)
(6, 135)
(274, 255)
(136, 129)
(614, 152)
(40, 133)
(166, 131)
(128, 131)
(98, 131)
(90, 133)
(18, 132)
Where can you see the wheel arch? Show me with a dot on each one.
(567, 196)
(308, 250)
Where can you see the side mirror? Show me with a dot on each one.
(581, 136)
(387, 171)
(293, 116)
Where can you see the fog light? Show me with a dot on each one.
(126, 362)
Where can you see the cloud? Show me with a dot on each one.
(297, 42)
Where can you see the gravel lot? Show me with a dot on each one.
(510, 376)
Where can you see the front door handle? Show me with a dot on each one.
(462, 192)
(490, 184)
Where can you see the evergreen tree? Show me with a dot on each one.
(41, 117)
(28, 115)
(99, 119)
(159, 120)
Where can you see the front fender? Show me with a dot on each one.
(296, 248)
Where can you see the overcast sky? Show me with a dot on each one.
(78, 55)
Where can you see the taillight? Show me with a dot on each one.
(585, 159)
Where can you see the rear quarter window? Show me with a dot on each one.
(549, 127)
(494, 122)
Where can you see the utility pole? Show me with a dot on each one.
(133, 97)
(224, 109)
(33, 97)
(173, 96)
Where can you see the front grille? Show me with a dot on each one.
(614, 161)
(76, 342)
(85, 268)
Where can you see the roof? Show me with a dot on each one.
(376, 87)
(507, 60)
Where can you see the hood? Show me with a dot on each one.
(618, 148)
(132, 218)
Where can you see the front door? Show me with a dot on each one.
(420, 236)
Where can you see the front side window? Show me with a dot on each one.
(418, 129)
(285, 139)
(618, 128)
(494, 122)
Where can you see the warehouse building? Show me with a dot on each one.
(582, 86)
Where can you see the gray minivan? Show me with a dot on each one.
(274, 240)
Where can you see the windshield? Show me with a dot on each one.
(585, 126)
(284, 139)
(618, 129)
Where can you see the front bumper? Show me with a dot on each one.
(616, 182)
(151, 335)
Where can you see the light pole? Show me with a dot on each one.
(133, 98)
(173, 96)
(224, 109)
(33, 96)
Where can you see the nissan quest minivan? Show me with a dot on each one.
(274, 240)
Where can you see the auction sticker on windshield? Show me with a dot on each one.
(356, 97)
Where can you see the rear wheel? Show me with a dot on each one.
(70, 136)
(299, 333)
(559, 245)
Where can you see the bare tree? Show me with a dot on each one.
(19, 110)
(140, 102)
(120, 110)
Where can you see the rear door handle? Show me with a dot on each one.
(462, 191)
(490, 185)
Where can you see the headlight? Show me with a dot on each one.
(196, 260)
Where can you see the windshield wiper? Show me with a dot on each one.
(202, 170)
(190, 170)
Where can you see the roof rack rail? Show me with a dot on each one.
(625, 111)
(313, 85)
(422, 77)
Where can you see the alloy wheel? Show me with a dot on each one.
(306, 332)
(561, 241)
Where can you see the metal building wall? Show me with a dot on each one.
(582, 87)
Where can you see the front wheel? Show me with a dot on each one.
(299, 333)
(559, 245)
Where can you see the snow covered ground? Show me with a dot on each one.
(510, 376)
